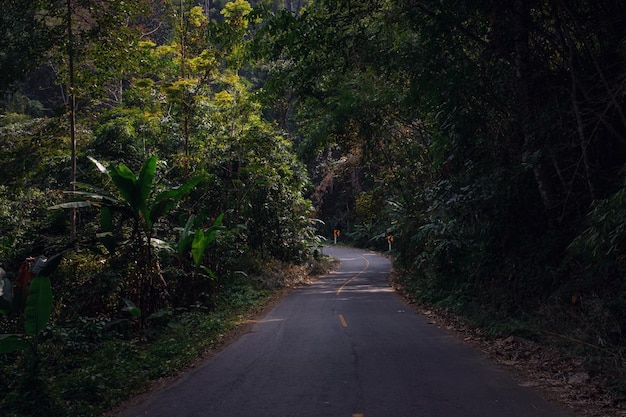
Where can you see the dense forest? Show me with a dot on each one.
(162, 154)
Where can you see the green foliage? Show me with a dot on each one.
(177, 89)
(252, 173)
(605, 237)
(143, 207)
(128, 135)
(596, 264)
(476, 133)
(104, 45)
(38, 306)
(236, 12)
(20, 108)
(30, 387)
(32, 153)
(25, 38)
(202, 238)
(34, 228)
(92, 364)
(12, 342)
(139, 200)
(37, 312)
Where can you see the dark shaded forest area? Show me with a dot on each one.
(170, 152)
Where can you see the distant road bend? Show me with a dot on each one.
(346, 346)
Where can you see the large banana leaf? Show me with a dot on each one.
(202, 238)
(144, 187)
(165, 201)
(38, 305)
(95, 192)
(198, 247)
(146, 178)
(74, 204)
(135, 190)
(125, 182)
(94, 197)
(98, 165)
(186, 237)
(12, 342)
(52, 263)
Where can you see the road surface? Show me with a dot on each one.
(347, 346)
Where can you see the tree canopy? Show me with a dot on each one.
(487, 137)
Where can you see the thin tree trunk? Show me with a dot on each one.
(183, 74)
(541, 171)
(72, 112)
(182, 40)
(584, 143)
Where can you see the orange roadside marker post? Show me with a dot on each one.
(336, 234)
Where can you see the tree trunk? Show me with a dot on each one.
(531, 146)
(183, 74)
(72, 112)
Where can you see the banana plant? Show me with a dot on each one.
(197, 241)
(135, 201)
(192, 245)
(37, 314)
(37, 311)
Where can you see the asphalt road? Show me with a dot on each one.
(347, 346)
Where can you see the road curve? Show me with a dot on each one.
(346, 346)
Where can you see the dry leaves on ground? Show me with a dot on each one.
(561, 378)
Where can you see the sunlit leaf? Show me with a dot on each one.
(131, 308)
(186, 236)
(98, 165)
(74, 204)
(161, 244)
(198, 246)
(52, 263)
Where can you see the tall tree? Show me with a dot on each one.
(87, 26)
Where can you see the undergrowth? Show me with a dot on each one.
(582, 332)
(92, 364)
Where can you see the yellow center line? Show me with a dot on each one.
(357, 415)
(367, 264)
(343, 321)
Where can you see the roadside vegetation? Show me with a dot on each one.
(90, 364)
(472, 133)
(488, 139)
(146, 202)
(164, 154)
